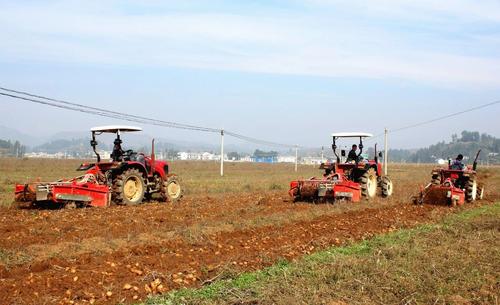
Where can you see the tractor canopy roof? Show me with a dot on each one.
(115, 129)
(351, 135)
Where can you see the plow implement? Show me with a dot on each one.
(324, 190)
(80, 191)
(444, 194)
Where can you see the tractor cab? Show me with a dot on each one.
(118, 154)
(354, 165)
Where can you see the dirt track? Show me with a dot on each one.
(116, 254)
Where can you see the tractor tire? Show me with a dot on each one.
(171, 190)
(368, 182)
(387, 187)
(129, 187)
(471, 190)
(480, 192)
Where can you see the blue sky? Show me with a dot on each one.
(286, 71)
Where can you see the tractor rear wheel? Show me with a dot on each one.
(171, 190)
(368, 182)
(387, 187)
(471, 190)
(129, 187)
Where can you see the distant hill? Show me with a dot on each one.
(467, 144)
(13, 135)
(77, 142)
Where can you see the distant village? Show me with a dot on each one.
(257, 157)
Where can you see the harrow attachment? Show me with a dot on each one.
(322, 190)
(440, 194)
(80, 191)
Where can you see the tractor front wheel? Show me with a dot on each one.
(471, 190)
(129, 187)
(368, 183)
(171, 190)
(387, 187)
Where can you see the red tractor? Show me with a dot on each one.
(452, 186)
(128, 178)
(349, 178)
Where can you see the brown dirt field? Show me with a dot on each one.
(111, 255)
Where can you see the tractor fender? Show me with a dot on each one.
(135, 165)
(375, 168)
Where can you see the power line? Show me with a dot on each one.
(257, 141)
(34, 98)
(444, 117)
(435, 119)
(100, 110)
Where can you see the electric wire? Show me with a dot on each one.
(170, 124)
(434, 119)
(35, 98)
(444, 117)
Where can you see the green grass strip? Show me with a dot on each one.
(248, 280)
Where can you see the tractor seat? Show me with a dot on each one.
(139, 157)
(129, 155)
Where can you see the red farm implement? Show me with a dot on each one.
(346, 179)
(128, 178)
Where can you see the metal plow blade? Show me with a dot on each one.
(25, 192)
(440, 195)
(435, 195)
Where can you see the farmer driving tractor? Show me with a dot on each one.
(458, 163)
(353, 156)
(117, 153)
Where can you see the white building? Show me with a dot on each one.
(286, 159)
(312, 160)
(199, 156)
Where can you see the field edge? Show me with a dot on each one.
(248, 280)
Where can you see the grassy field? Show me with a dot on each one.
(204, 177)
(453, 262)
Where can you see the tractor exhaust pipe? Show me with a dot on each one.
(153, 158)
(474, 165)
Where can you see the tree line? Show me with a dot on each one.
(12, 149)
(467, 144)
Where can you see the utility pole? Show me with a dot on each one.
(322, 153)
(222, 152)
(296, 156)
(386, 151)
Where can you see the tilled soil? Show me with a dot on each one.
(124, 254)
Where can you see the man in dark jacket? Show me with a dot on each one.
(352, 156)
(458, 163)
